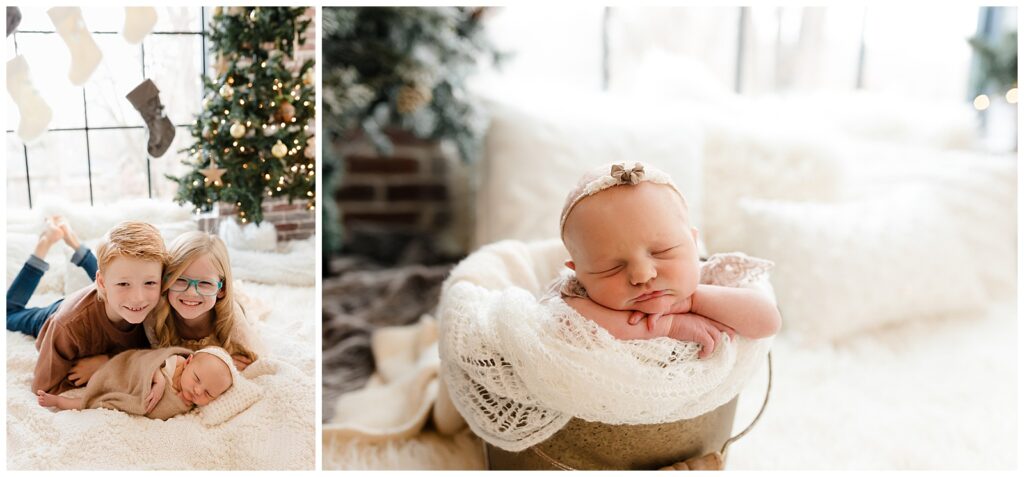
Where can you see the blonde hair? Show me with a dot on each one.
(184, 250)
(131, 239)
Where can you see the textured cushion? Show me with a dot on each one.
(21, 245)
(843, 268)
(537, 148)
(764, 160)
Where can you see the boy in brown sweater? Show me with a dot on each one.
(80, 332)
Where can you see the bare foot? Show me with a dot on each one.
(70, 237)
(45, 399)
(50, 235)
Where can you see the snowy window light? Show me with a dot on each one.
(95, 146)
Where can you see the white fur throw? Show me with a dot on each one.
(518, 369)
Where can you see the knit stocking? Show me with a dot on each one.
(138, 22)
(34, 113)
(85, 55)
(146, 98)
(13, 19)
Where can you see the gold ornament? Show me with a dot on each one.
(310, 151)
(237, 130)
(227, 91)
(411, 98)
(308, 77)
(213, 173)
(279, 149)
(286, 112)
(222, 65)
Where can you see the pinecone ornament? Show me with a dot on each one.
(412, 97)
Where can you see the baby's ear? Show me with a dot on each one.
(570, 264)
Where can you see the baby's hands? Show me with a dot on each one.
(83, 370)
(157, 392)
(701, 330)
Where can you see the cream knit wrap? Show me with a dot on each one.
(518, 368)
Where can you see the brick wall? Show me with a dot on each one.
(292, 221)
(417, 193)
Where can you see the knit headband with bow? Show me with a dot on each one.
(611, 175)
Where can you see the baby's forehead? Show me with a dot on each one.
(649, 195)
(211, 362)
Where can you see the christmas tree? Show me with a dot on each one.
(400, 68)
(254, 138)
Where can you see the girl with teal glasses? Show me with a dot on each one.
(201, 308)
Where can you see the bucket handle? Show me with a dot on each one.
(767, 392)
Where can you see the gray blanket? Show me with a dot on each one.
(360, 299)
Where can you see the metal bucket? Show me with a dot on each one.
(587, 445)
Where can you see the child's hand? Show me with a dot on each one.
(83, 370)
(699, 329)
(45, 399)
(157, 392)
(241, 362)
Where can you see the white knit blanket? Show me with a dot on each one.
(518, 369)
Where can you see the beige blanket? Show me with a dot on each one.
(403, 395)
(125, 381)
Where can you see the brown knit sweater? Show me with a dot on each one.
(78, 329)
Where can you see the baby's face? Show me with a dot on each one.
(632, 248)
(204, 379)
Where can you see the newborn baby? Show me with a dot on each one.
(156, 383)
(635, 258)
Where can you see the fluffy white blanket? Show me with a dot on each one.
(278, 432)
(518, 369)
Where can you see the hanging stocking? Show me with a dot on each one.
(138, 22)
(85, 55)
(34, 113)
(146, 98)
(13, 19)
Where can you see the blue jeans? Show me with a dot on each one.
(30, 320)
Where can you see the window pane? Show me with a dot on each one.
(110, 19)
(932, 63)
(174, 63)
(35, 18)
(17, 187)
(49, 62)
(170, 163)
(118, 164)
(59, 168)
(119, 72)
(177, 19)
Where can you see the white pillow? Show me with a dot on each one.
(260, 238)
(769, 161)
(843, 268)
(537, 148)
(21, 245)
